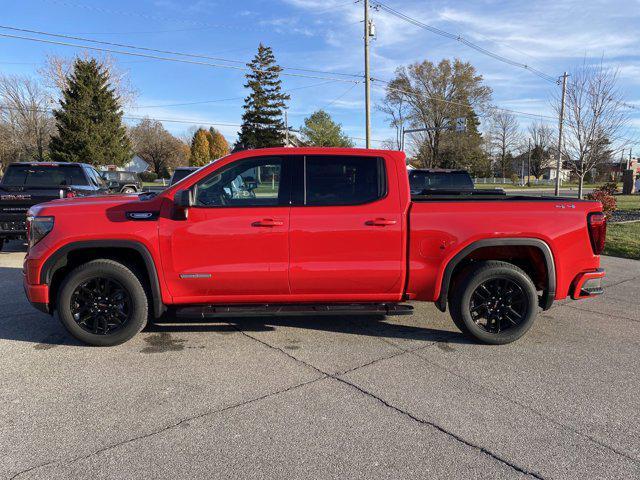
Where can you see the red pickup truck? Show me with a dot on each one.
(308, 231)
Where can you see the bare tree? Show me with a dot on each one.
(26, 120)
(595, 118)
(158, 147)
(434, 95)
(505, 136)
(541, 136)
(397, 111)
(57, 69)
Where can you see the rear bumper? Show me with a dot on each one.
(38, 295)
(588, 284)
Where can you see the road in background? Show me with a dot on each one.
(406, 397)
(545, 192)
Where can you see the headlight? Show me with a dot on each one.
(38, 228)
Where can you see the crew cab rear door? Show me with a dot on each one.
(346, 237)
(233, 246)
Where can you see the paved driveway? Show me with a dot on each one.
(406, 397)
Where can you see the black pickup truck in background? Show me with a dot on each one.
(441, 182)
(27, 184)
(439, 179)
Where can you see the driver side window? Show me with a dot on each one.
(253, 182)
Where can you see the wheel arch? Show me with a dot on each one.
(549, 290)
(114, 249)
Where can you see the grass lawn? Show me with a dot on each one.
(623, 240)
(628, 202)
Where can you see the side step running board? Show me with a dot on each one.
(270, 310)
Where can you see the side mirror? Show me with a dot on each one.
(184, 199)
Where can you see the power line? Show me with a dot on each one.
(168, 59)
(157, 18)
(464, 41)
(465, 105)
(202, 102)
(168, 120)
(167, 52)
(328, 104)
(133, 117)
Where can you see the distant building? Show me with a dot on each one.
(135, 165)
(550, 173)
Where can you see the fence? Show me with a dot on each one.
(533, 181)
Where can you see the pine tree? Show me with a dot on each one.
(200, 148)
(89, 119)
(218, 145)
(321, 131)
(262, 124)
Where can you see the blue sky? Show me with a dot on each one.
(552, 36)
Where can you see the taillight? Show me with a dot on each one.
(69, 194)
(597, 231)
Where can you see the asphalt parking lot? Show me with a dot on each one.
(405, 397)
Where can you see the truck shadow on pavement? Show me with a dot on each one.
(366, 326)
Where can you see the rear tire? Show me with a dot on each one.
(102, 303)
(494, 303)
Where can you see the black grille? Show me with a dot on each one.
(14, 226)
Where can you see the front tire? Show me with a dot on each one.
(495, 303)
(129, 190)
(102, 303)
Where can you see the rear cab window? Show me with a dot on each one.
(44, 176)
(343, 180)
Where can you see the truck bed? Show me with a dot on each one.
(440, 227)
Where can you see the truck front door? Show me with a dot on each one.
(233, 247)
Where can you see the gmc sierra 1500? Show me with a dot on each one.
(310, 230)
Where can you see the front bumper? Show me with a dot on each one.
(38, 295)
(588, 284)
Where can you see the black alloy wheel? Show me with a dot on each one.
(498, 304)
(103, 302)
(494, 302)
(101, 306)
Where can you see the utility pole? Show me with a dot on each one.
(559, 164)
(528, 162)
(367, 78)
(286, 129)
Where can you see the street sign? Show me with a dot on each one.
(461, 124)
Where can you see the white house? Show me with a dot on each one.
(136, 165)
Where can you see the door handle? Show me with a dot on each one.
(268, 222)
(380, 222)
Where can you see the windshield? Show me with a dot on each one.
(43, 176)
(440, 180)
